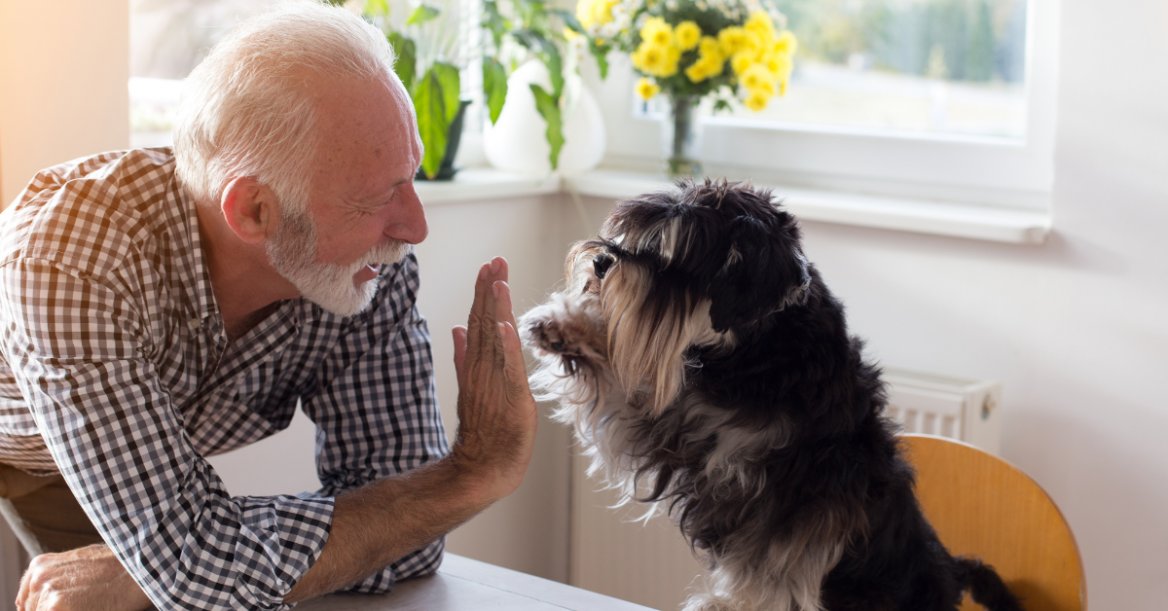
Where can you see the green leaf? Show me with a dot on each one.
(570, 20)
(448, 78)
(376, 8)
(405, 63)
(422, 14)
(433, 126)
(494, 22)
(600, 52)
(494, 87)
(549, 109)
(548, 53)
(555, 66)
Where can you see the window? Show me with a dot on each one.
(168, 38)
(933, 99)
(937, 67)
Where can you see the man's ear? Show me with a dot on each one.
(249, 207)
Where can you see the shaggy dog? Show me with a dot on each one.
(708, 370)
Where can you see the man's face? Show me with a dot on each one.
(362, 211)
(339, 288)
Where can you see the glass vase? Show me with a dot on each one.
(682, 137)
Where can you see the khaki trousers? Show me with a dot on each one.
(43, 512)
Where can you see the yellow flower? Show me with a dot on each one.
(701, 70)
(732, 39)
(779, 65)
(708, 47)
(672, 59)
(756, 101)
(688, 34)
(584, 9)
(766, 87)
(657, 60)
(751, 41)
(741, 61)
(760, 22)
(647, 88)
(591, 13)
(786, 44)
(756, 76)
(656, 31)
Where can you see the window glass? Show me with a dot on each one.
(168, 38)
(929, 67)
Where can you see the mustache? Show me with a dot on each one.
(388, 253)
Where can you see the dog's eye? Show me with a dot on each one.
(601, 265)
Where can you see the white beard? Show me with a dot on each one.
(292, 251)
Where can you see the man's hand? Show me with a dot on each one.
(496, 412)
(390, 517)
(85, 578)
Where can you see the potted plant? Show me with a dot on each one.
(519, 30)
(427, 67)
(525, 30)
(733, 51)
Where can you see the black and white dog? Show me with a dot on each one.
(707, 369)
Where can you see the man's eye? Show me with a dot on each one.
(601, 265)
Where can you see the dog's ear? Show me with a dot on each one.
(764, 271)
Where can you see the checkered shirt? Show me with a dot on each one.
(115, 370)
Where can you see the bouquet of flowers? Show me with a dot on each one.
(690, 49)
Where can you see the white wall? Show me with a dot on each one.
(63, 71)
(1076, 329)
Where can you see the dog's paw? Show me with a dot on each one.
(545, 335)
(540, 329)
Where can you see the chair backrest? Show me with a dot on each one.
(982, 506)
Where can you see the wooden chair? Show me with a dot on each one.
(983, 506)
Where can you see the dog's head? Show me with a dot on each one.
(695, 266)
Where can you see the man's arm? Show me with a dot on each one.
(383, 520)
(386, 519)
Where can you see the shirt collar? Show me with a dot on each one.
(206, 309)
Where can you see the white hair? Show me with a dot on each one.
(248, 109)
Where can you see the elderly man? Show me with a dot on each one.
(159, 308)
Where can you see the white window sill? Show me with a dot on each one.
(1007, 225)
(476, 184)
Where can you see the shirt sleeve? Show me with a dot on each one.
(75, 344)
(375, 406)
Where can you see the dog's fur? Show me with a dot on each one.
(708, 370)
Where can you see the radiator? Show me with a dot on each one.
(613, 553)
(949, 407)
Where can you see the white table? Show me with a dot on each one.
(463, 584)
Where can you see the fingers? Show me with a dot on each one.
(22, 592)
(504, 309)
(482, 340)
(514, 368)
(459, 335)
(511, 348)
(481, 324)
(29, 592)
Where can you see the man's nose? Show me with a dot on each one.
(408, 223)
